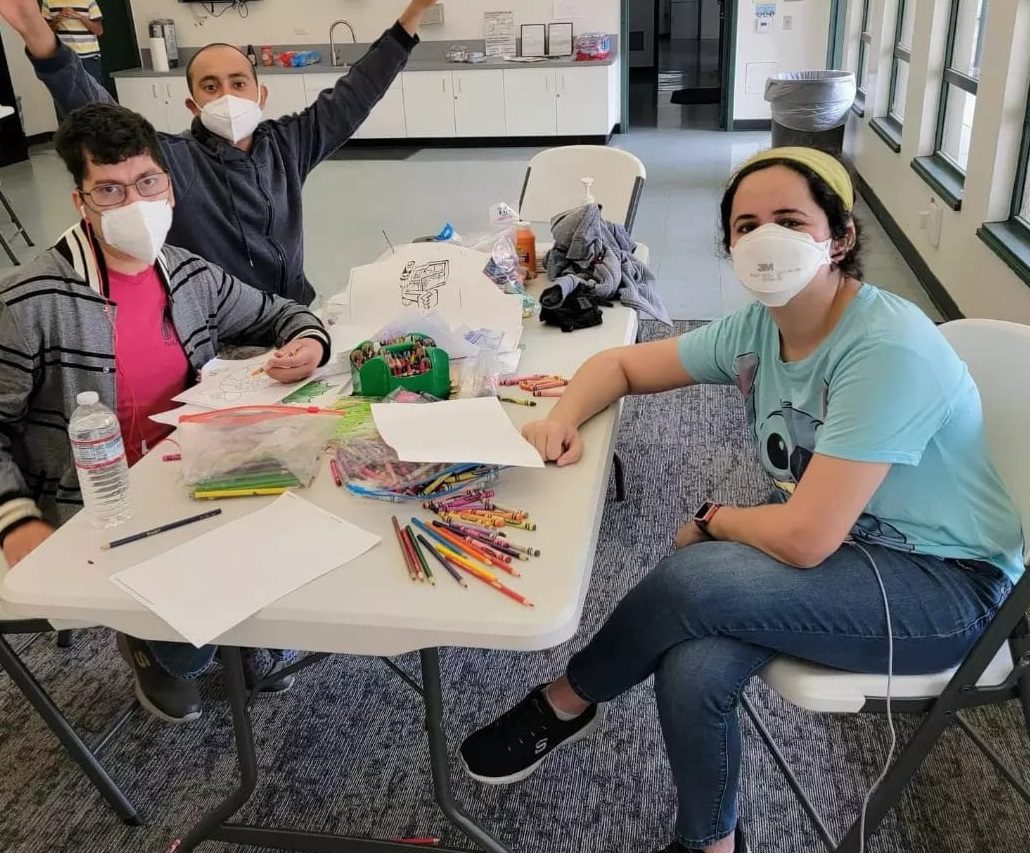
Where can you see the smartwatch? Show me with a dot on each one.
(704, 515)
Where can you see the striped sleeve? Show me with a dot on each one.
(48, 13)
(94, 11)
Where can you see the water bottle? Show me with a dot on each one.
(96, 439)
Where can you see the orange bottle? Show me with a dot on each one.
(525, 248)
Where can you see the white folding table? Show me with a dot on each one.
(369, 606)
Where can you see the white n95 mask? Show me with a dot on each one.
(775, 263)
(138, 229)
(231, 118)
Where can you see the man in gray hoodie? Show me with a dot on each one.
(237, 179)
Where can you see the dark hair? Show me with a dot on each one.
(106, 134)
(189, 65)
(832, 205)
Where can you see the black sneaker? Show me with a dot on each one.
(514, 745)
(739, 845)
(260, 667)
(173, 700)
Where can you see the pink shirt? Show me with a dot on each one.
(151, 364)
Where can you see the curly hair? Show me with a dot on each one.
(107, 134)
(831, 204)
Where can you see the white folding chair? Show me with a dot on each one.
(82, 754)
(554, 183)
(998, 667)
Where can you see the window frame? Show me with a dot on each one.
(865, 42)
(1010, 240)
(889, 127)
(936, 169)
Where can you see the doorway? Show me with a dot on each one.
(687, 83)
(118, 45)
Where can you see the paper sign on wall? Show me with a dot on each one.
(500, 33)
(565, 10)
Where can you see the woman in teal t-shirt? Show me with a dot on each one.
(871, 429)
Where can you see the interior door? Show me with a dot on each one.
(118, 45)
(13, 148)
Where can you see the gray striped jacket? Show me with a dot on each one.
(56, 340)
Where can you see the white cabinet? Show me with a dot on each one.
(530, 105)
(479, 103)
(286, 94)
(429, 104)
(387, 119)
(315, 84)
(160, 100)
(582, 98)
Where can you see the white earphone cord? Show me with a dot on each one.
(890, 680)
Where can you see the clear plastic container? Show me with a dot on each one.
(96, 440)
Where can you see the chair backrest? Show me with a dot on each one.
(998, 356)
(554, 182)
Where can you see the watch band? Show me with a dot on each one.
(705, 514)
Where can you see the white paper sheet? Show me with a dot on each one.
(476, 430)
(567, 10)
(206, 586)
(242, 383)
(434, 277)
(499, 30)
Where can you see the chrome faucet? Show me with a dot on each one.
(332, 41)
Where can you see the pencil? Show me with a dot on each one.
(218, 494)
(473, 551)
(404, 549)
(453, 572)
(419, 555)
(164, 528)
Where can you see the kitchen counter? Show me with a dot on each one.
(427, 56)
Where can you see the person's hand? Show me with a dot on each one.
(71, 14)
(26, 19)
(690, 534)
(23, 540)
(411, 18)
(555, 440)
(295, 361)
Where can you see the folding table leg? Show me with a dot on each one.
(439, 759)
(620, 478)
(73, 744)
(232, 660)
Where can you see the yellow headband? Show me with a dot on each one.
(826, 166)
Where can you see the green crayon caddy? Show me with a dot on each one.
(413, 362)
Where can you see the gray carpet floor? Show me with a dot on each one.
(345, 750)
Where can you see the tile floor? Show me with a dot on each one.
(349, 202)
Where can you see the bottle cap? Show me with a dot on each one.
(87, 398)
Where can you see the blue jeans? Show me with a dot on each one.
(182, 660)
(712, 615)
(94, 67)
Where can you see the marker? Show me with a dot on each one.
(164, 528)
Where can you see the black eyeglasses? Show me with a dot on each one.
(112, 195)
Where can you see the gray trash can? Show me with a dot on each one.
(810, 108)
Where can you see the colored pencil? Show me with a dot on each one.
(164, 528)
(453, 572)
(218, 494)
(489, 579)
(471, 550)
(423, 565)
(404, 549)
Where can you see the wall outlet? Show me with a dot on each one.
(788, 22)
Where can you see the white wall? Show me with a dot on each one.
(801, 48)
(37, 107)
(979, 282)
(278, 22)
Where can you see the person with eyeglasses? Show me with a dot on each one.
(238, 176)
(111, 308)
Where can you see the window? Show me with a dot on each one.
(889, 127)
(902, 60)
(1011, 239)
(945, 170)
(865, 40)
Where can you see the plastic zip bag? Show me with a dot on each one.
(252, 447)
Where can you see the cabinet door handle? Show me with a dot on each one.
(168, 89)
(459, 86)
(153, 89)
(443, 84)
(547, 84)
